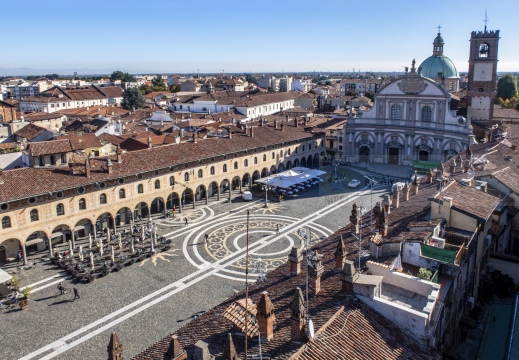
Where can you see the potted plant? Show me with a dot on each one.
(24, 302)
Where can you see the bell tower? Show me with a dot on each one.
(482, 82)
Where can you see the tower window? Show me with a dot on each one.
(484, 50)
(396, 112)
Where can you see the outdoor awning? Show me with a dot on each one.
(34, 241)
(291, 177)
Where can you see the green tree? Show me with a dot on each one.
(119, 75)
(52, 76)
(507, 87)
(424, 274)
(133, 99)
(145, 89)
(250, 79)
(157, 84)
(328, 82)
(174, 88)
(351, 93)
(369, 94)
(312, 91)
(270, 89)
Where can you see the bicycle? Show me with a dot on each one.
(62, 292)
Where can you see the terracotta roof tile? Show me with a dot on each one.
(49, 147)
(81, 141)
(30, 131)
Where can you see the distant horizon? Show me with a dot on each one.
(214, 36)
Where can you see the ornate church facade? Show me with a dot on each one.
(411, 118)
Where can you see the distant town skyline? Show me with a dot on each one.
(291, 36)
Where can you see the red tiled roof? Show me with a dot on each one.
(49, 147)
(81, 141)
(30, 131)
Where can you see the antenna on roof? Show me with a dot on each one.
(486, 20)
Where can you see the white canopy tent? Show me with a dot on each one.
(295, 176)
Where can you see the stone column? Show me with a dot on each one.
(206, 199)
(73, 238)
(24, 254)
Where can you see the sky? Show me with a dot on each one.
(174, 36)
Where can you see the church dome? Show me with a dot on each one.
(438, 66)
(438, 39)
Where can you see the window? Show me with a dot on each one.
(245, 162)
(484, 50)
(426, 114)
(273, 156)
(224, 168)
(102, 199)
(52, 160)
(157, 184)
(200, 173)
(42, 161)
(309, 146)
(140, 189)
(63, 158)
(60, 210)
(186, 177)
(172, 181)
(122, 194)
(235, 165)
(255, 160)
(82, 204)
(396, 112)
(34, 215)
(6, 222)
(289, 151)
(212, 170)
(264, 157)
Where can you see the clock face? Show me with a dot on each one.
(483, 71)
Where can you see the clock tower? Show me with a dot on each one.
(482, 82)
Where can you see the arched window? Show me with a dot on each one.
(186, 177)
(289, 151)
(426, 114)
(245, 162)
(273, 156)
(172, 181)
(212, 170)
(34, 215)
(235, 165)
(82, 204)
(60, 210)
(122, 194)
(264, 157)
(255, 160)
(102, 198)
(396, 112)
(140, 189)
(309, 146)
(52, 160)
(6, 222)
(200, 173)
(224, 169)
(303, 147)
(157, 184)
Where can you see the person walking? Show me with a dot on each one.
(174, 211)
(206, 237)
(277, 229)
(20, 257)
(185, 220)
(76, 294)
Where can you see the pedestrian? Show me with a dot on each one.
(206, 237)
(20, 257)
(277, 229)
(185, 220)
(174, 211)
(76, 294)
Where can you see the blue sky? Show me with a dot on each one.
(240, 36)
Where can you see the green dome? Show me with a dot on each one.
(438, 39)
(436, 64)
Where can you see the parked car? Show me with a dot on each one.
(354, 183)
(247, 196)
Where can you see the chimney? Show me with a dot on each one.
(348, 276)
(261, 121)
(282, 127)
(251, 131)
(296, 124)
(115, 348)
(444, 208)
(340, 254)
(177, 139)
(376, 213)
(295, 258)
(386, 203)
(298, 316)
(265, 317)
(202, 351)
(286, 118)
(109, 165)
(230, 132)
(230, 351)
(452, 168)
(175, 351)
(87, 168)
(466, 165)
(150, 143)
(382, 228)
(194, 138)
(314, 274)
(396, 197)
(405, 191)
(415, 184)
(355, 217)
(306, 121)
(119, 155)
(91, 160)
(276, 124)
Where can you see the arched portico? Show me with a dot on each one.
(296, 163)
(281, 167)
(236, 183)
(141, 211)
(310, 162)
(246, 181)
(187, 198)
(157, 206)
(264, 172)
(303, 161)
(225, 186)
(60, 235)
(9, 249)
(173, 200)
(273, 170)
(201, 193)
(212, 190)
(123, 216)
(37, 241)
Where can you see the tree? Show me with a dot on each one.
(270, 89)
(133, 99)
(250, 79)
(507, 87)
(369, 94)
(157, 84)
(351, 93)
(424, 274)
(174, 88)
(145, 89)
(328, 82)
(52, 76)
(312, 91)
(119, 75)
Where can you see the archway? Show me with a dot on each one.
(255, 175)
(246, 180)
(394, 154)
(264, 172)
(225, 186)
(272, 170)
(123, 216)
(201, 193)
(303, 162)
(236, 183)
(423, 155)
(9, 248)
(289, 165)
(37, 241)
(316, 161)
(281, 167)
(60, 235)
(310, 162)
(141, 211)
(212, 190)
(187, 198)
(157, 206)
(104, 223)
(296, 162)
(364, 153)
(173, 200)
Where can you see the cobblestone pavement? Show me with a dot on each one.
(148, 300)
